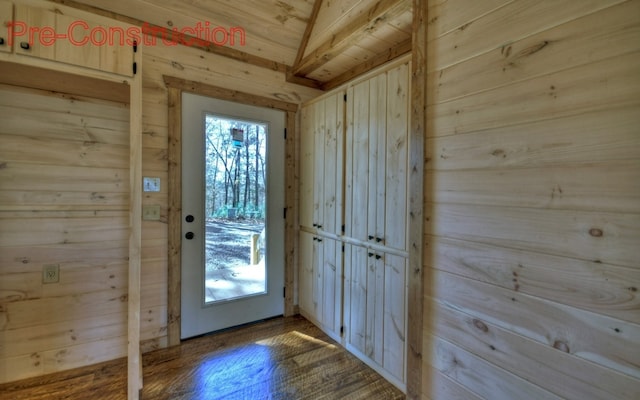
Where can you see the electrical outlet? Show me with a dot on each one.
(151, 213)
(51, 273)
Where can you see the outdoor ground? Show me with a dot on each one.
(228, 270)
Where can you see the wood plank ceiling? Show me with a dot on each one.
(319, 43)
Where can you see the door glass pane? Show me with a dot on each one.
(234, 206)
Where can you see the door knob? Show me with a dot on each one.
(189, 235)
(189, 218)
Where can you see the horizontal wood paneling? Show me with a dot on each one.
(487, 380)
(63, 200)
(569, 281)
(586, 235)
(532, 207)
(603, 186)
(574, 91)
(563, 47)
(540, 364)
(481, 33)
(603, 340)
(597, 136)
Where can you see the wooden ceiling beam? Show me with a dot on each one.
(380, 13)
(308, 31)
(390, 54)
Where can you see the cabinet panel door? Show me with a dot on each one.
(307, 165)
(6, 16)
(331, 283)
(358, 157)
(356, 266)
(32, 44)
(395, 299)
(375, 307)
(364, 280)
(396, 157)
(74, 40)
(333, 171)
(71, 51)
(305, 273)
(377, 158)
(318, 159)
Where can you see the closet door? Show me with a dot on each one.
(332, 170)
(307, 165)
(396, 157)
(322, 169)
(320, 282)
(375, 310)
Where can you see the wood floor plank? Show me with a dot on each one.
(281, 358)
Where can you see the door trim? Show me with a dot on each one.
(175, 88)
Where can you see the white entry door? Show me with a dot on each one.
(232, 214)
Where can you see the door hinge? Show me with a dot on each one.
(285, 133)
(343, 228)
(135, 68)
(284, 291)
(135, 46)
(342, 330)
(345, 97)
(343, 248)
(284, 213)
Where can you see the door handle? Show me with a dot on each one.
(189, 218)
(189, 235)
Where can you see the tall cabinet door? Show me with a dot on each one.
(396, 156)
(320, 282)
(376, 159)
(375, 309)
(322, 170)
(307, 165)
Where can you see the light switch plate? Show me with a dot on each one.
(151, 212)
(150, 184)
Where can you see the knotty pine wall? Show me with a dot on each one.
(61, 207)
(532, 208)
(64, 182)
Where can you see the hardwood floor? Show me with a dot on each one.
(282, 358)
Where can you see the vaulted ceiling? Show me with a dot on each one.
(320, 43)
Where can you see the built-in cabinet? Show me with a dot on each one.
(50, 33)
(353, 213)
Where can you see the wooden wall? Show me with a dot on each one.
(532, 209)
(64, 183)
(195, 65)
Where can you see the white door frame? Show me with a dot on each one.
(176, 86)
(199, 317)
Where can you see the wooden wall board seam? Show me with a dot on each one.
(576, 91)
(522, 36)
(575, 283)
(547, 323)
(531, 78)
(613, 33)
(535, 362)
(537, 77)
(466, 23)
(474, 369)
